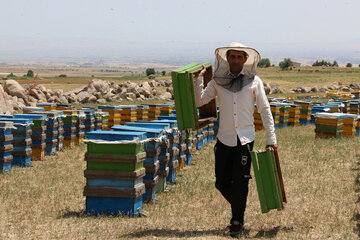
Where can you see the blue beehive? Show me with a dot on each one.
(21, 141)
(6, 147)
(38, 135)
(151, 162)
(114, 173)
(89, 120)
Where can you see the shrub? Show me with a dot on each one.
(63, 75)
(286, 64)
(150, 71)
(349, 65)
(264, 63)
(163, 73)
(30, 73)
(11, 75)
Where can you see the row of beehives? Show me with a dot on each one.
(129, 165)
(331, 120)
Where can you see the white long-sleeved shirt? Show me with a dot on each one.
(237, 110)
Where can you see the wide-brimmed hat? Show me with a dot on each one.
(251, 62)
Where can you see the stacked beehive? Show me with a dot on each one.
(189, 146)
(357, 126)
(38, 134)
(354, 107)
(80, 128)
(199, 139)
(335, 107)
(60, 143)
(294, 115)
(114, 114)
(166, 109)
(275, 111)
(174, 139)
(329, 125)
(284, 114)
(70, 119)
(142, 113)
(216, 124)
(350, 125)
(257, 120)
(346, 108)
(98, 121)
(205, 134)
(114, 172)
(105, 120)
(305, 112)
(52, 130)
(182, 150)
(47, 106)
(128, 113)
(5, 146)
(21, 141)
(154, 112)
(151, 163)
(89, 120)
(164, 155)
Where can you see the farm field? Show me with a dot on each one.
(76, 77)
(321, 180)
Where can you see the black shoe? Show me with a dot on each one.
(236, 229)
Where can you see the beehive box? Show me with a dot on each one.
(186, 110)
(6, 147)
(21, 141)
(114, 172)
(38, 135)
(47, 106)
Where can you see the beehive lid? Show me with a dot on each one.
(116, 135)
(17, 121)
(31, 116)
(164, 126)
(5, 124)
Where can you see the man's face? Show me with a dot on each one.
(236, 60)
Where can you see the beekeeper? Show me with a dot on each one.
(238, 89)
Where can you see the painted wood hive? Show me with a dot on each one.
(6, 147)
(114, 172)
(21, 141)
(38, 135)
(151, 163)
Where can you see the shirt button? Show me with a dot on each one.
(234, 102)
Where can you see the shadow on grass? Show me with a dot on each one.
(168, 233)
(272, 232)
(76, 214)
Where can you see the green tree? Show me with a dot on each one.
(150, 71)
(11, 75)
(335, 64)
(163, 73)
(30, 73)
(264, 63)
(349, 65)
(286, 64)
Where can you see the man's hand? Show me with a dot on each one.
(201, 73)
(275, 146)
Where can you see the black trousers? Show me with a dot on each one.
(232, 172)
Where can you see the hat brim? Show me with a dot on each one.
(253, 55)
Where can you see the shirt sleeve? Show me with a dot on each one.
(203, 96)
(264, 109)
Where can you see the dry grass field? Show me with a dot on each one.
(79, 76)
(321, 180)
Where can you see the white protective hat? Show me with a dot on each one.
(222, 66)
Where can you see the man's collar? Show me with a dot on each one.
(233, 76)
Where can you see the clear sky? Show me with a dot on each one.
(108, 24)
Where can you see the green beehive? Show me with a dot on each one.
(186, 110)
(268, 180)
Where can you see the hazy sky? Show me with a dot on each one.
(106, 24)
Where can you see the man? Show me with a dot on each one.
(238, 89)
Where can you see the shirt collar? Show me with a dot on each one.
(233, 76)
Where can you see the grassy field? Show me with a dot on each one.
(304, 76)
(321, 177)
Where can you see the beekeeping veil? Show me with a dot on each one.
(222, 74)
